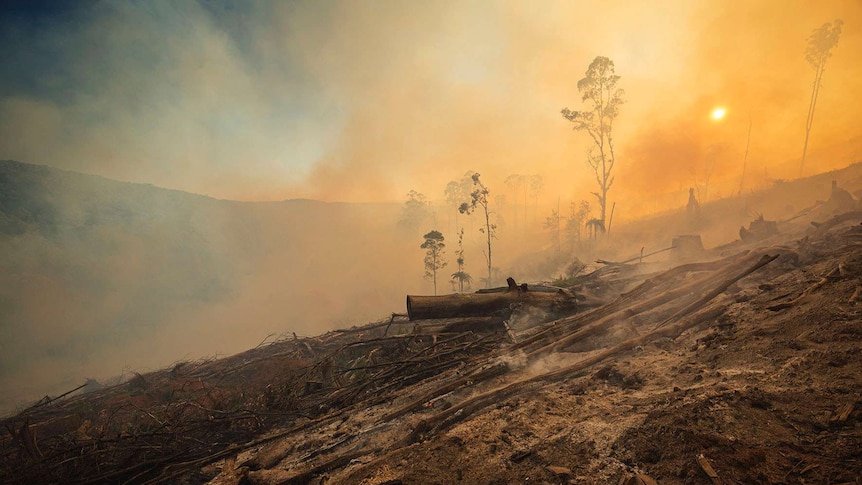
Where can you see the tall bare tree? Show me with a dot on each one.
(599, 91)
(479, 198)
(818, 51)
(461, 276)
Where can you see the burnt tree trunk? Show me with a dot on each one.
(459, 325)
(484, 304)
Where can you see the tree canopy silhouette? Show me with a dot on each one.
(599, 91)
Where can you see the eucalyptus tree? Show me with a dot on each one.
(603, 99)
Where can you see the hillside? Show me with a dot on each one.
(98, 277)
(740, 366)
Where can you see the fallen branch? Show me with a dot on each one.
(636, 258)
(707, 468)
(764, 260)
(824, 227)
(804, 294)
(496, 370)
(332, 463)
(563, 326)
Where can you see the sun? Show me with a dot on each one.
(718, 113)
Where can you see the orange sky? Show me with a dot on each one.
(360, 101)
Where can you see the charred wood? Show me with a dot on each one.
(485, 304)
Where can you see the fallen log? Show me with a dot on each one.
(821, 228)
(601, 324)
(459, 325)
(623, 303)
(485, 304)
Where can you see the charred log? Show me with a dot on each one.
(458, 325)
(485, 304)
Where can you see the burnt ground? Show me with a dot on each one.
(745, 366)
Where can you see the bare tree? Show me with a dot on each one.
(433, 247)
(819, 50)
(599, 90)
(479, 198)
(461, 276)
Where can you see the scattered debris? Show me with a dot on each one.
(641, 479)
(855, 296)
(675, 365)
(842, 413)
(822, 281)
(560, 471)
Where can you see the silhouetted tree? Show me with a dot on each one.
(415, 211)
(553, 223)
(599, 90)
(515, 182)
(461, 276)
(819, 50)
(500, 201)
(456, 191)
(433, 247)
(595, 227)
(578, 213)
(536, 184)
(479, 198)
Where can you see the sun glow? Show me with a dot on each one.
(718, 113)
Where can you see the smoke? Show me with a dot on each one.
(748, 59)
(346, 101)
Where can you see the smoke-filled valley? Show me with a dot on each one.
(101, 277)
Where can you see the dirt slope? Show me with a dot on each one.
(766, 396)
(744, 365)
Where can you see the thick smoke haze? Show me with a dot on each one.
(355, 104)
